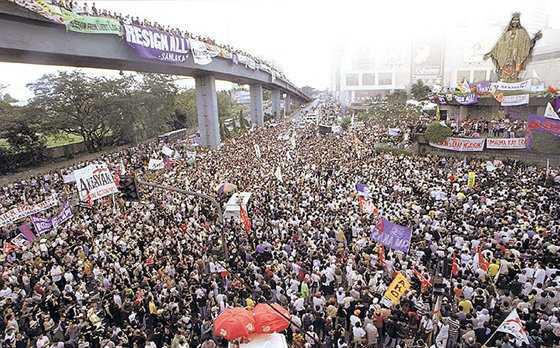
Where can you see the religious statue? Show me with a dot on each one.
(512, 51)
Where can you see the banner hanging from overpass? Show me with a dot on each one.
(91, 24)
(156, 45)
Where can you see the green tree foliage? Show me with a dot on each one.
(436, 132)
(397, 97)
(345, 122)
(102, 110)
(419, 90)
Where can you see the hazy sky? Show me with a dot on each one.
(301, 35)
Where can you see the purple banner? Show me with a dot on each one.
(556, 104)
(482, 88)
(158, 45)
(63, 216)
(25, 230)
(536, 123)
(468, 99)
(42, 225)
(391, 235)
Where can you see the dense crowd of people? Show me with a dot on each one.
(504, 128)
(149, 273)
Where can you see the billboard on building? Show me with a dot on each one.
(427, 61)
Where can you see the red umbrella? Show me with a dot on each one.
(268, 320)
(234, 323)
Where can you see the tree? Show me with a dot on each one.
(435, 132)
(185, 108)
(75, 103)
(419, 90)
(399, 96)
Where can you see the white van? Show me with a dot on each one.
(232, 207)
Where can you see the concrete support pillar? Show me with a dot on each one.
(257, 116)
(287, 104)
(207, 111)
(275, 95)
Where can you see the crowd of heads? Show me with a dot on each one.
(154, 273)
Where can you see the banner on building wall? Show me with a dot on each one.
(511, 86)
(94, 181)
(506, 143)
(468, 99)
(156, 45)
(515, 100)
(461, 144)
(26, 210)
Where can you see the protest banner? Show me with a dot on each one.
(398, 287)
(156, 164)
(25, 230)
(394, 132)
(26, 210)
(515, 100)
(156, 45)
(91, 24)
(471, 179)
(468, 99)
(94, 181)
(511, 86)
(202, 55)
(461, 144)
(42, 225)
(506, 143)
(167, 151)
(20, 241)
(392, 235)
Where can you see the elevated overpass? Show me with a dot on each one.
(26, 37)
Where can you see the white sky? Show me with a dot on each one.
(301, 35)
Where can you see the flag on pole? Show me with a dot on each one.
(425, 282)
(454, 265)
(482, 262)
(381, 254)
(512, 325)
(550, 113)
(244, 219)
(438, 113)
(471, 181)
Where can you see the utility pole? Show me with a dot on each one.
(199, 195)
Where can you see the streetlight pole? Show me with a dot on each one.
(199, 195)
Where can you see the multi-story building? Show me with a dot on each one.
(441, 60)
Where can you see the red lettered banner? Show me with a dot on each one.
(461, 144)
(506, 143)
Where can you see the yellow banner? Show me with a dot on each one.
(471, 179)
(398, 287)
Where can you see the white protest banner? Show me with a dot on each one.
(94, 181)
(394, 132)
(512, 325)
(20, 241)
(201, 55)
(511, 86)
(167, 151)
(69, 178)
(461, 144)
(156, 164)
(515, 100)
(506, 143)
(26, 210)
(257, 150)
